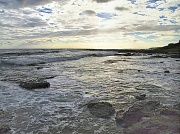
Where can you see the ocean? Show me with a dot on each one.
(77, 77)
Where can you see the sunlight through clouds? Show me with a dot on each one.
(85, 23)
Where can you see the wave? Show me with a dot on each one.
(27, 52)
(23, 59)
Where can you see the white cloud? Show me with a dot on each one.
(90, 21)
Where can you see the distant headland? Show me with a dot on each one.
(169, 47)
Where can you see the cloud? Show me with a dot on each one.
(26, 3)
(32, 22)
(102, 1)
(89, 21)
(121, 8)
(89, 12)
(158, 28)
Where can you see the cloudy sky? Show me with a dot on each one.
(88, 23)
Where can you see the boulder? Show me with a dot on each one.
(34, 84)
(101, 109)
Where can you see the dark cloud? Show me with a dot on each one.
(102, 1)
(121, 8)
(26, 3)
(158, 28)
(2, 2)
(19, 22)
(86, 27)
(89, 12)
(28, 22)
(73, 32)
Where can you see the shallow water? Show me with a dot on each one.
(78, 77)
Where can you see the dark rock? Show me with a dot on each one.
(175, 55)
(166, 71)
(4, 129)
(33, 64)
(120, 71)
(141, 97)
(110, 61)
(34, 84)
(159, 56)
(101, 109)
(47, 77)
(39, 68)
(128, 54)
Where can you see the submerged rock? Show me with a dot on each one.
(110, 61)
(137, 112)
(2, 113)
(166, 71)
(39, 68)
(148, 87)
(156, 125)
(170, 112)
(34, 84)
(101, 109)
(141, 97)
(151, 118)
(129, 54)
(4, 129)
(33, 64)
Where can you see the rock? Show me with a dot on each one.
(155, 125)
(177, 106)
(2, 113)
(141, 97)
(148, 87)
(110, 61)
(170, 112)
(129, 54)
(32, 64)
(149, 117)
(120, 71)
(4, 129)
(101, 109)
(39, 68)
(159, 56)
(34, 84)
(137, 112)
(166, 71)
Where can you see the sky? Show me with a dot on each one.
(113, 24)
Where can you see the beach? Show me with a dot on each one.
(126, 83)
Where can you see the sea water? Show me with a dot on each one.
(77, 77)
